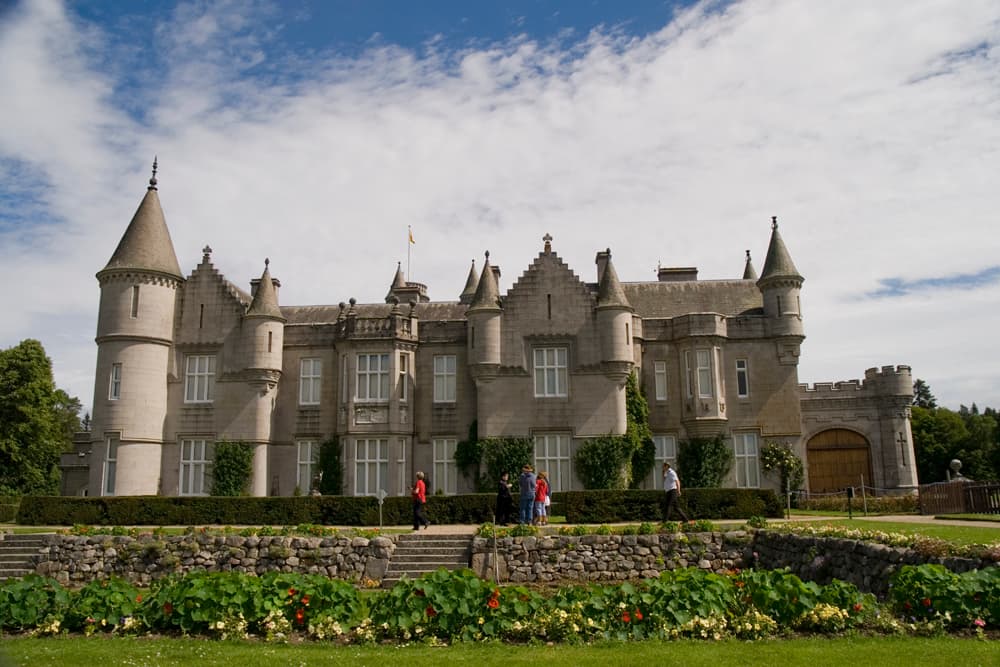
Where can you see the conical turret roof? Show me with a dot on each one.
(749, 273)
(470, 285)
(265, 299)
(609, 291)
(778, 263)
(146, 244)
(487, 292)
(398, 282)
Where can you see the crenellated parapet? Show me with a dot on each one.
(887, 381)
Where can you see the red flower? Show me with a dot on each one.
(419, 592)
(300, 616)
(291, 592)
(739, 584)
(138, 598)
(496, 593)
(168, 608)
(431, 612)
(626, 618)
(493, 603)
(927, 602)
(305, 600)
(906, 606)
(638, 615)
(857, 606)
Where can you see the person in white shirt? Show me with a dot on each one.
(672, 485)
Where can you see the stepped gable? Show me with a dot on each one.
(549, 267)
(146, 244)
(206, 273)
(674, 299)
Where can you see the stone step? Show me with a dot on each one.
(12, 573)
(444, 559)
(17, 557)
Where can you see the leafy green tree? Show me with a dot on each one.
(35, 427)
(922, 396)
(231, 468)
(637, 433)
(68, 414)
(937, 437)
(704, 462)
(602, 463)
(508, 455)
(779, 457)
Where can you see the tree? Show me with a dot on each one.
(937, 437)
(638, 433)
(922, 396)
(704, 462)
(231, 468)
(36, 423)
(602, 463)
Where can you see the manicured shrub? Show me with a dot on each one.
(610, 506)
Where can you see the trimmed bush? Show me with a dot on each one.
(608, 506)
(8, 509)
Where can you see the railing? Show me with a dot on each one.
(960, 497)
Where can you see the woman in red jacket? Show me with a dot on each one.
(419, 494)
(541, 490)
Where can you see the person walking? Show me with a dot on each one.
(505, 501)
(541, 493)
(527, 484)
(419, 493)
(672, 485)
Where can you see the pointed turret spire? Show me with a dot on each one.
(487, 292)
(146, 243)
(749, 273)
(398, 283)
(265, 299)
(609, 291)
(778, 263)
(470, 285)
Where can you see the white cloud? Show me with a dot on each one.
(870, 130)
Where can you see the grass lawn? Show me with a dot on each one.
(986, 534)
(108, 652)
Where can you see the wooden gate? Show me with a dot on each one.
(837, 459)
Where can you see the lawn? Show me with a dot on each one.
(109, 652)
(988, 533)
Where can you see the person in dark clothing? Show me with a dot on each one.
(505, 502)
(672, 485)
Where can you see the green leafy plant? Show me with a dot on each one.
(331, 467)
(638, 433)
(505, 455)
(104, 605)
(604, 462)
(704, 462)
(780, 458)
(231, 468)
(27, 602)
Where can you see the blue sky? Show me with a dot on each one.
(314, 133)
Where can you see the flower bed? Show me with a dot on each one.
(445, 607)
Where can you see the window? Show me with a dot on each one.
(135, 302)
(110, 466)
(196, 467)
(666, 452)
(688, 375)
(373, 377)
(550, 371)
(445, 469)
(552, 456)
(444, 378)
(308, 465)
(310, 381)
(404, 376)
(371, 465)
(660, 379)
(704, 358)
(742, 379)
(402, 479)
(747, 460)
(199, 379)
(343, 379)
(115, 384)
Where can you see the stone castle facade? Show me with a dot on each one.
(187, 361)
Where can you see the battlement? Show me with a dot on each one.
(887, 381)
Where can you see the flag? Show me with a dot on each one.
(410, 231)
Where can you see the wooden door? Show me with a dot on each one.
(837, 459)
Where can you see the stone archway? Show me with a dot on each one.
(837, 459)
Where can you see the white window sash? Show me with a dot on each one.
(704, 360)
(660, 380)
(115, 383)
(310, 381)
(550, 365)
(199, 379)
(373, 377)
(196, 467)
(445, 468)
(742, 378)
(552, 454)
(371, 465)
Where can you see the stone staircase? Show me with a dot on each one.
(417, 554)
(18, 554)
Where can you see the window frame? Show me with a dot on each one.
(559, 464)
(310, 464)
(445, 469)
(404, 377)
(660, 380)
(199, 384)
(110, 468)
(196, 469)
(380, 463)
(372, 377)
(445, 378)
(703, 372)
(548, 371)
(664, 443)
(743, 378)
(746, 464)
(311, 382)
(115, 382)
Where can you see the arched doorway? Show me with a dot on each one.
(837, 459)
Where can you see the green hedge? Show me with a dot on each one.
(8, 509)
(639, 505)
(283, 511)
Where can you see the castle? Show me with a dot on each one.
(187, 361)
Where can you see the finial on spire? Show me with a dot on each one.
(206, 252)
(152, 180)
(608, 250)
(487, 255)
(267, 262)
(774, 222)
(748, 255)
(548, 243)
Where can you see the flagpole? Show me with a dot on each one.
(409, 242)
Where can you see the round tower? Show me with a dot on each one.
(134, 337)
(614, 319)
(263, 340)
(780, 285)
(484, 315)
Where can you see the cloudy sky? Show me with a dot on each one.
(314, 133)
